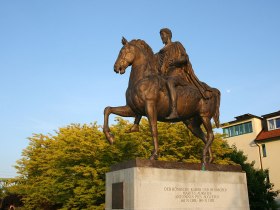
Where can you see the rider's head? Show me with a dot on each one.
(167, 31)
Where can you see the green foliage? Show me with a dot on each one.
(260, 191)
(3, 183)
(67, 170)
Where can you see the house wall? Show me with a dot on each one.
(271, 161)
(245, 142)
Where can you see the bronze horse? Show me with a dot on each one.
(147, 95)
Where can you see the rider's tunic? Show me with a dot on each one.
(173, 52)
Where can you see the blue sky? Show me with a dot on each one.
(56, 58)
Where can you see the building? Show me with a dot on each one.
(259, 139)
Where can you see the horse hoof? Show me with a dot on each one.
(211, 160)
(134, 128)
(154, 156)
(172, 116)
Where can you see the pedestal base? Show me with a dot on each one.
(158, 185)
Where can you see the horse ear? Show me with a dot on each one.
(124, 41)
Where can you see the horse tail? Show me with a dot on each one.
(216, 117)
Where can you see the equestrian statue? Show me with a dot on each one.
(163, 87)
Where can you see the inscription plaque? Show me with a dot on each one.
(196, 194)
(117, 195)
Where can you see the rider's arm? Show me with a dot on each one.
(182, 58)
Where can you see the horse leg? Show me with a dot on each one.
(135, 127)
(152, 117)
(124, 111)
(194, 126)
(210, 136)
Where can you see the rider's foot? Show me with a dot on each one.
(172, 116)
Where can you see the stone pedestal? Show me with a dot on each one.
(159, 185)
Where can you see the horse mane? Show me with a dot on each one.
(147, 50)
(143, 46)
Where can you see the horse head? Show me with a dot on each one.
(136, 52)
(125, 58)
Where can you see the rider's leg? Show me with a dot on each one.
(173, 97)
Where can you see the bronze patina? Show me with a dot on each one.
(163, 87)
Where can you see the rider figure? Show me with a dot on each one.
(174, 63)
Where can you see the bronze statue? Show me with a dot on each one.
(148, 95)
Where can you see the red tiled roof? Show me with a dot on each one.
(265, 135)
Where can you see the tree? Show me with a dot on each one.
(67, 170)
(3, 183)
(260, 190)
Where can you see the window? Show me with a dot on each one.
(264, 150)
(237, 130)
(248, 127)
(274, 123)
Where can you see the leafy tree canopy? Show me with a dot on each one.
(260, 190)
(67, 170)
